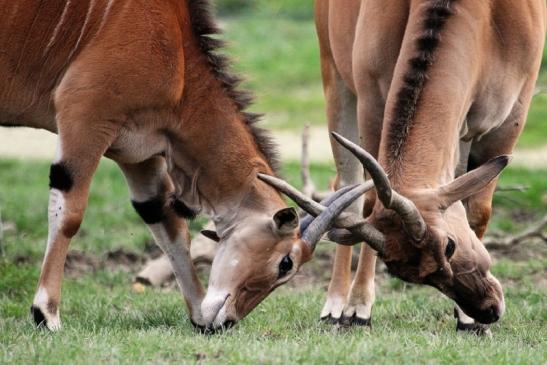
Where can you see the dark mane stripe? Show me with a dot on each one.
(205, 28)
(415, 78)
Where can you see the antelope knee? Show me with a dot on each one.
(182, 210)
(154, 210)
(60, 177)
(151, 211)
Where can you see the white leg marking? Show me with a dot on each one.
(360, 300)
(41, 300)
(56, 208)
(333, 307)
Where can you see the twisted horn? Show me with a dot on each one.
(355, 223)
(324, 221)
(413, 221)
(305, 222)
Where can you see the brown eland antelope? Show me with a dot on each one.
(141, 83)
(432, 89)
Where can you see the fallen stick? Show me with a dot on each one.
(535, 231)
(516, 187)
(308, 188)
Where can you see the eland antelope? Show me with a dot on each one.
(438, 92)
(142, 83)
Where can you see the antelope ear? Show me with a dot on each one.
(286, 220)
(211, 235)
(472, 182)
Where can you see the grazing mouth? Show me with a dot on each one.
(484, 316)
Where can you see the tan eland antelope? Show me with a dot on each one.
(433, 89)
(141, 82)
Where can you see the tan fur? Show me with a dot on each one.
(477, 90)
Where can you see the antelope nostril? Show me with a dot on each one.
(494, 315)
(229, 324)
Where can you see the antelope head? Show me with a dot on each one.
(261, 253)
(423, 235)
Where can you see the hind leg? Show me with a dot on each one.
(151, 196)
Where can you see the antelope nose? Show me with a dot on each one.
(494, 314)
(212, 304)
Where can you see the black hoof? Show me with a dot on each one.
(330, 319)
(38, 316)
(477, 329)
(356, 321)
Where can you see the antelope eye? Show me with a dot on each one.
(450, 248)
(284, 266)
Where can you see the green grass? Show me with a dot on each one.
(535, 131)
(280, 59)
(105, 322)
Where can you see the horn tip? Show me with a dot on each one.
(336, 136)
(339, 138)
(502, 160)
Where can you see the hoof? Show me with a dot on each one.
(477, 329)
(38, 316)
(356, 321)
(51, 322)
(330, 320)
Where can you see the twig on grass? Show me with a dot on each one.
(517, 187)
(308, 188)
(1, 235)
(535, 231)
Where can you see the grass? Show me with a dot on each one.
(280, 58)
(535, 132)
(105, 322)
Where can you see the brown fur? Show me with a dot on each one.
(435, 16)
(143, 83)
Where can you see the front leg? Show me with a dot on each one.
(358, 310)
(70, 177)
(151, 196)
(158, 271)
